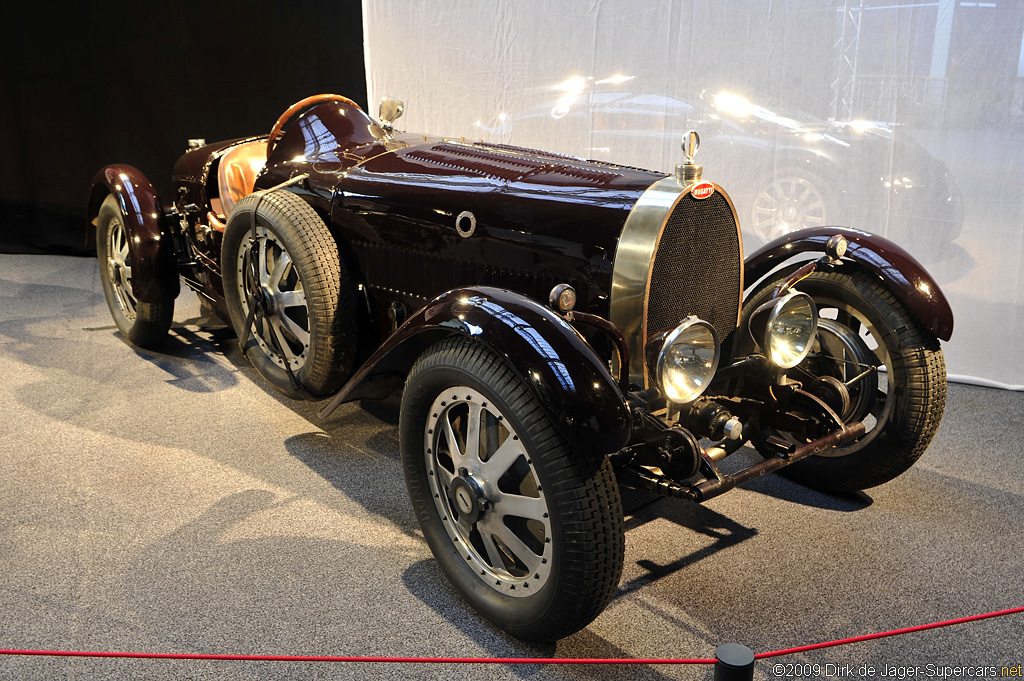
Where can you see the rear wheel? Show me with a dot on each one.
(144, 324)
(862, 325)
(528, 530)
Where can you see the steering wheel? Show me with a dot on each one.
(298, 106)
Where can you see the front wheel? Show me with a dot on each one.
(526, 528)
(892, 370)
(288, 294)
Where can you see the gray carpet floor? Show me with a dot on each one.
(171, 502)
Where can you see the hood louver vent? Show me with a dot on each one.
(500, 162)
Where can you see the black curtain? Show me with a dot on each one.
(89, 84)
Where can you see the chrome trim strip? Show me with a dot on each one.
(634, 257)
(739, 240)
(632, 269)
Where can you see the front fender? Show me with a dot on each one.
(898, 269)
(154, 268)
(568, 379)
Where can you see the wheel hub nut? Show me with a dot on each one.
(467, 497)
(268, 299)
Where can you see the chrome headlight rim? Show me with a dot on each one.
(670, 340)
(779, 307)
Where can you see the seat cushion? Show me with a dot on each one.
(238, 170)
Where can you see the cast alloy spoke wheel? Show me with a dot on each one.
(144, 324)
(119, 268)
(486, 490)
(288, 294)
(526, 528)
(887, 368)
(786, 202)
(270, 283)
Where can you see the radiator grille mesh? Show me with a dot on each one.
(697, 267)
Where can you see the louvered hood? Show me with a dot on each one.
(508, 187)
(538, 219)
(636, 245)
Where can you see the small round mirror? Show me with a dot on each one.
(391, 110)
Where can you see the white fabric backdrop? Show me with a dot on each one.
(899, 117)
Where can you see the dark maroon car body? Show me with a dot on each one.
(448, 237)
(542, 219)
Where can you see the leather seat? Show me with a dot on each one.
(237, 173)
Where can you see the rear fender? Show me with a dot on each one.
(154, 267)
(904, 275)
(569, 380)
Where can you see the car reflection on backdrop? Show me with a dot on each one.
(784, 171)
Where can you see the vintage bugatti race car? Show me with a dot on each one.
(557, 326)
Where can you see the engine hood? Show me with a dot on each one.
(422, 214)
(506, 187)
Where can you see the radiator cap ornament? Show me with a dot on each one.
(690, 144)
(689, 173)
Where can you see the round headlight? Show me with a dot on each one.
(791, 327)
(688, 360)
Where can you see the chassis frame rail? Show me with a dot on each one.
(723, 482)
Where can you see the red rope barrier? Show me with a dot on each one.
(416, 660)
(894, 632)
(507, 660)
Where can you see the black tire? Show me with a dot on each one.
(557, 556)
(144, 324)
(308, 320)
(865, 322)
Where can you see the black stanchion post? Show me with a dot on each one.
(735, 663)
